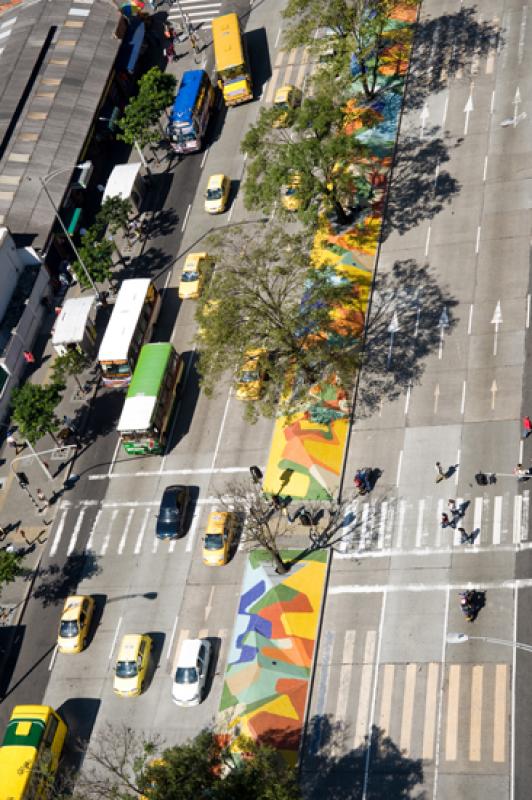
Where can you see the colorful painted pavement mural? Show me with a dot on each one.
(312, 443)
(269, 664)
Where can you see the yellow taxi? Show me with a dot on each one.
(290, 200)
(132, 665)
(286, 99)
(193, 276)
(250, 378)
(75, 623)
(219, 538)
(217, 194)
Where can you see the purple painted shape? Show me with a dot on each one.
(258, 625)
(250, 596)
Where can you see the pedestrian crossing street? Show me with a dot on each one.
(397, 525)
(426, 709)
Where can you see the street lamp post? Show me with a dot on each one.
(460, 638)
(44, 181)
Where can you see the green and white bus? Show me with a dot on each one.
(143, 424)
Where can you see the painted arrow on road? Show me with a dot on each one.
(517, 118)
(496, 320)
(393, 327)
(442, 324)
(468, 108)
(493, 392)
(423, 117)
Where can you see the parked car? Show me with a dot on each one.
(172, 512)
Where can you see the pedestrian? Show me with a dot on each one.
(42, 499)
(527, 427)
(464, 537)
(440, 474)
(276, 502)
(29, 358)
(170, 52)
(3, 532)
(256, 473)
(521, 473)
(63, 280)
(12, 442)
(445, 521)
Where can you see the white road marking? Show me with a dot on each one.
(407, 401)
(52, 660)
(445, 107)
(439, 512)
(142, 531)
(427, 241)
(470, 319)
(522, 31)
(485, 168)
(462, 404)
(525, 516)
(511, 584)
(477, 517)
(477, 244)
(171, 640)
(518, 511)
(75, 532)
(220, 433)
(277, 38)
(399, 464)
(112, 463)
(58, 533)
(401, 524)
(123, 538)
(528, 311)
(497, 511)
(419, 527)
(107, 537)
(158, 473)
(457, 462)
(192, 533)
(382, 524)
(115, 637)
(186, 218)
(492, 103)
(88, 546)
(204, 159)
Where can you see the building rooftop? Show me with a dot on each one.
(55, 59)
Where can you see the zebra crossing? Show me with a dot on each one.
(399, 524)
(423, 707)
(196, 13)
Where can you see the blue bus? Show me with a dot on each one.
(190, 113)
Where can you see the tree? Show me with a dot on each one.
(265, 296)
(34, 409)
(268, 527)
(363, 30)
(319, 151)
(10, 566)
(71, 363)
(211, 765)
(114, 214)
(96, 252)
(140, 122)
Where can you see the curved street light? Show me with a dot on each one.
(44, 181)
(460, 638)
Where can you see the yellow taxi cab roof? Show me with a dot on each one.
(215, 181)
(72, 606)
(216, 521)
(129, 646)
(193, 259)
(281, 95)
(252, 356)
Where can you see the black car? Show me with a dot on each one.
(172, 512)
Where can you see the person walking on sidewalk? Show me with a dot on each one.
(527, 427)
(12, 442)
(440, 474)
(521, 473)
(42, 499)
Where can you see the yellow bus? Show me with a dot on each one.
(234, 76)
(30, 753)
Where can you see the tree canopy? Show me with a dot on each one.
(213, 766)
(140, 122)
(96, 252)
(318, 149)
(266, 296)
(10, 566)
(364, 35)
(34, 409)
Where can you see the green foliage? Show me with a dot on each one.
(362, 28)
(264, 295)
(140, 121)
(10, 566)
(114, 214)
(96, 252)
(72, 363)
(34, 409)
(318, 151)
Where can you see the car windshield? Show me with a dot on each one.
(248, 376)
(214, 194)
(190, 275)
(186, 675)
(69, 628)
(282, 104)
(213, 541)
(126, 669)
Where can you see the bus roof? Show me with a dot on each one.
(120, 328)
(227, 41)
(142, 394)
(186, 96)
(20, 748)
(15, 768)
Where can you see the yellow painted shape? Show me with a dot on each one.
(308, 581)
(282, 706)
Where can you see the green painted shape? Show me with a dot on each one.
(150, 369)
(228, 699)
(277, 594)
(259, 557)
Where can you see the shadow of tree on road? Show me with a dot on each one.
(328, 769)
(54, 583)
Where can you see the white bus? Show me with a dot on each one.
(134, 314)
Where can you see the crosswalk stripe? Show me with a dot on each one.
(345, 676)
(524, 516)
(419, 527)
(107, 537)
(386, 697)
(497, 521)
(451, 733)
(477, 516)
(58, 533)
(402, 511)
(475, 722)
(431, 704)
(75, 532)
(440, 531)
(361, 725)
(94, 525)
(140, 536)
(183, 634)
(363, 526)
(123, 538)
(499, 713)
(382, 524)
(518, 511)
(389, 526)
(203, 633)
(408, 709)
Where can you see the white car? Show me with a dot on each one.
(188, 688)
